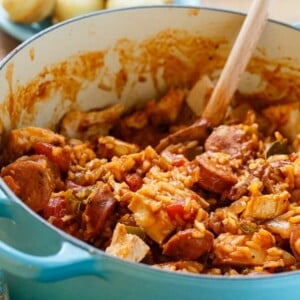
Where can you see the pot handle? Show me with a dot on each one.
(297, 25)
(69, 261)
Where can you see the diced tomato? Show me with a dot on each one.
(57, 155)
(178, 161)
(55, 210)
(177, 211)
(56, 207)
(134, 181)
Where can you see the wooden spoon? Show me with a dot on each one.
(227, 84)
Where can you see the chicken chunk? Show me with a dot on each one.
(153, 220)
(256, 249)
(33, 179)
(267, 206)
(82, 125)
(285, 118)
(20, 141)
(239, 249)
(126, 245)
(109, 147)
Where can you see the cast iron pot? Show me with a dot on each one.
(128, 56)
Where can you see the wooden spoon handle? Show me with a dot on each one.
(227, 84)
(236, 63)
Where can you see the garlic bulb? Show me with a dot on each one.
(66, 9)
(28, 11)
(123, 3)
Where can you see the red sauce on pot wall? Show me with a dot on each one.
(169, 56)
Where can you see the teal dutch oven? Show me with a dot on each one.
(41, 262)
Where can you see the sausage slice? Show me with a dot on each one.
(235, 140)
(189, 244)
(100, 206)
(215, 173)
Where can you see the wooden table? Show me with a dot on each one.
(7, 43)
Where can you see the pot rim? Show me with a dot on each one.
(45, 31)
